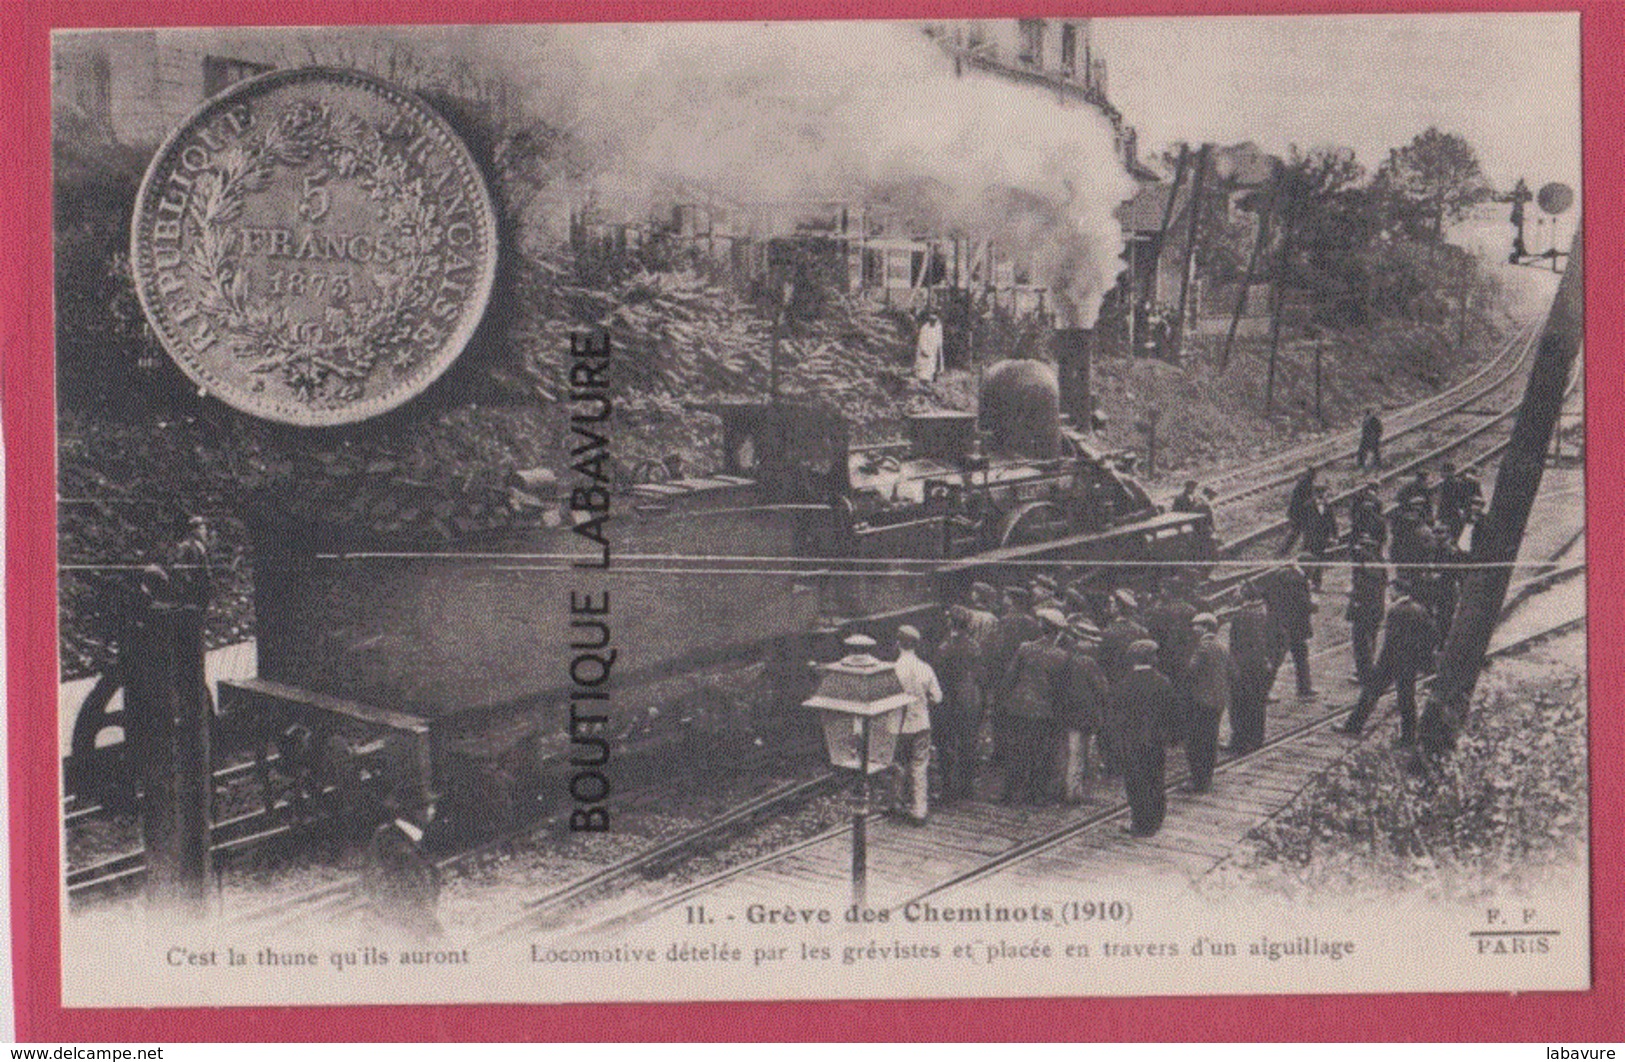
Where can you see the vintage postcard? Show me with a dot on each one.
(1051, 506)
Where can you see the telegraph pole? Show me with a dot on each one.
(1162, 230)
(1276, 297)
(1497, 539)
(1190, 246)
(1252, 265)
(1320, 341)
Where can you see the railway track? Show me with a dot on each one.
(1048, 843)
(344, 898)
(1247, 543)
(1028, 848)
(245, 832)
(1238, 484)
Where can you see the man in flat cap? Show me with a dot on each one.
(1320, 534)
(984, 615)
(1169, 623)
(1208, 678)
(983, 628)
(1046, 592)
(1408, 526)
(1082, 708)
(1034, 690)
(1190, 500)
(1290, 605)
(1299, 505)
(957, 722)
(1368, 604)
(1017, 626)
(1407, 650)
(1252, 651)
(919, 681)
(1365, 516)
(1418, 492)
(1122, 631)
(1139, 709)
(401, 882)
(1457, 493)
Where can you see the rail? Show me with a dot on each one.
(1019, 853)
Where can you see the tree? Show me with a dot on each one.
(1432, 181)
(1326, 218)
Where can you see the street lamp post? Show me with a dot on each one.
(860, 705)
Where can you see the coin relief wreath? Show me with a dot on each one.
(327, 366)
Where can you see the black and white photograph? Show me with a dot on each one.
(1056, 506)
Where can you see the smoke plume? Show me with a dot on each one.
(860, 112)
(868, 113)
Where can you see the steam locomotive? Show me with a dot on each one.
(449, 672)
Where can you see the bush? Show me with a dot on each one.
(1507, 808)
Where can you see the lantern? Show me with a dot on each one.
(860, 704)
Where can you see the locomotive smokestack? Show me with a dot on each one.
(1072, 350)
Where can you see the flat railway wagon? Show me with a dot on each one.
(387, 674)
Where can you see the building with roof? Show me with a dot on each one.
(1234, 186)
(1053, 55)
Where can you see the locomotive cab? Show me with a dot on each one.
(1012, 474)
(795, 452)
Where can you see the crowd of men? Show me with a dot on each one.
(1071, 681)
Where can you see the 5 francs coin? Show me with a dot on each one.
(314, 246)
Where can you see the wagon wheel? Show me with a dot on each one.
(1032, 523)
(103, 774)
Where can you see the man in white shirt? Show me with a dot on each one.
(928, 349)
(919, 681)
